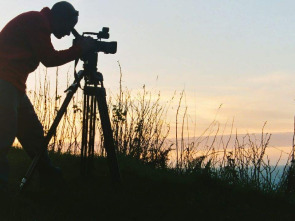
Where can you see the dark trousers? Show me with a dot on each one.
(18, 119)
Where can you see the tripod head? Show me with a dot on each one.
(92, 76)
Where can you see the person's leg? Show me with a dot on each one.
(30, 131)
(31, 136)
(9, 100)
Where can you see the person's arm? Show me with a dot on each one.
(40, 42)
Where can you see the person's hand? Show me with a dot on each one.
(87, 44)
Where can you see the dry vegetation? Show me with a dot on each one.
(141, 130)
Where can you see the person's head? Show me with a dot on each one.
(64, 19)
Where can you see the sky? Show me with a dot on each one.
(238, 53)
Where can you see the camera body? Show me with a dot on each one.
(101, 46)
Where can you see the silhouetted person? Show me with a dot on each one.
(24, 43)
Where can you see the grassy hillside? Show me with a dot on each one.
(145, 194)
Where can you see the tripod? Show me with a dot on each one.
(94, 95)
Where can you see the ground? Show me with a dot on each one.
(144, 194)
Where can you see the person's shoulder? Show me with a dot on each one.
(32, 16)
(33, 21)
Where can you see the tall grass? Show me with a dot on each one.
(141, 129)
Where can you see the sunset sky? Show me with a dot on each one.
(238, 53)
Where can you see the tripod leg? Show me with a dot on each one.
(88, 134)
(108, 135)
(84, 146)
(72, 90)
(92, 132)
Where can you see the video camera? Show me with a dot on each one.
(101, 46)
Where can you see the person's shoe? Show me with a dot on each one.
(51, 178)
